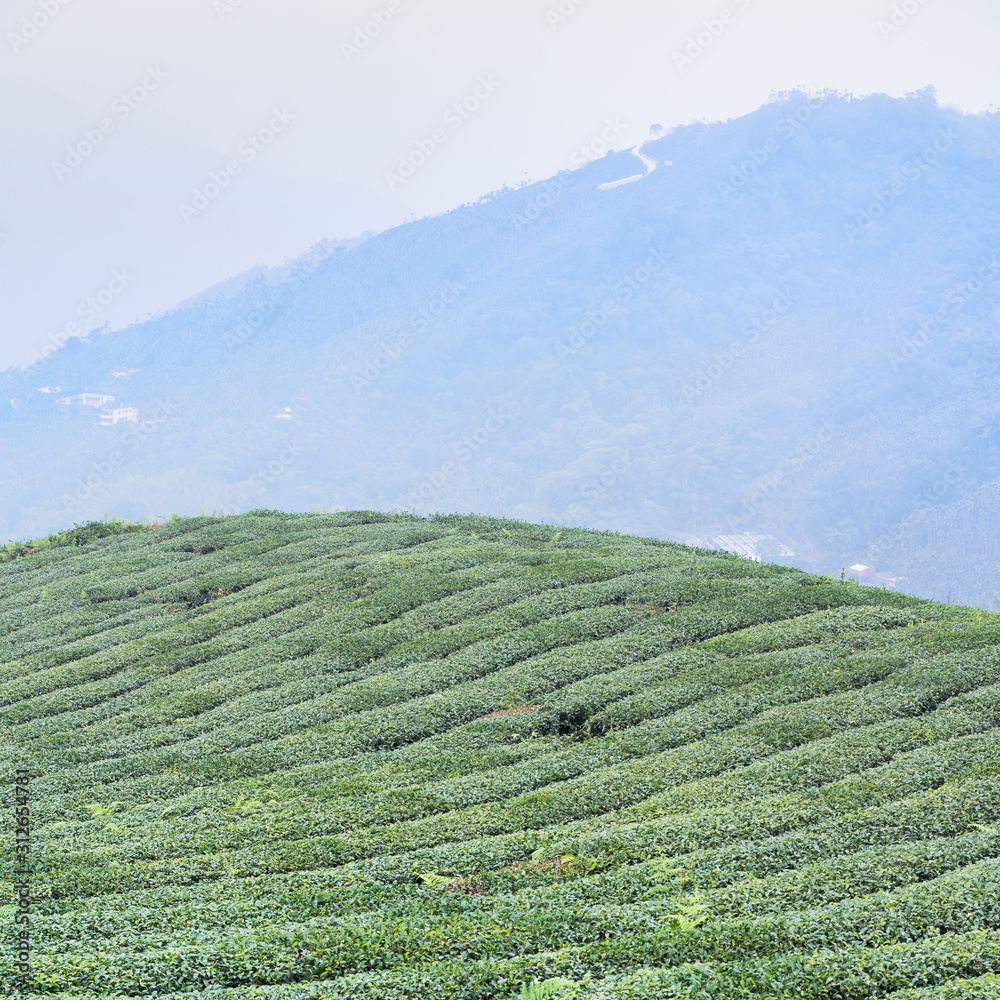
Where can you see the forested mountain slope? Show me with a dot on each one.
(788, 327)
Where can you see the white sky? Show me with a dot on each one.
(230, 63)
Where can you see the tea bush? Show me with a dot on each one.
(366, 755)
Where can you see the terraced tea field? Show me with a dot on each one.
(370, 756)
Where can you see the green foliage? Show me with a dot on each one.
(436, 879)
(81, 534)
(687, 917)
(99, 811)
(556, 986)
(263, 747)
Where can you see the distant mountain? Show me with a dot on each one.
(270, 275)
(780, 329)
(70, 220)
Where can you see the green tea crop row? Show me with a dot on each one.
(375, 755)
(381, 727)
(597, 793)
(384, 937)
(293, 670)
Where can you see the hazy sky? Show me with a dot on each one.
(152, 149)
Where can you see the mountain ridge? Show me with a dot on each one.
(667, 416)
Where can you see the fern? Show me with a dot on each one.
(436, 879)
(244, 805)
(688, 916)
(579, 863)
(537, 990)
(662, 870)
(97, 811)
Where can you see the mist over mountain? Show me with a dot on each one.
(782, 325)
(82, 202)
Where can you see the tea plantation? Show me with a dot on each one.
(359, 756)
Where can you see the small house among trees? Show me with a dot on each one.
(94, 399)
(111, 417)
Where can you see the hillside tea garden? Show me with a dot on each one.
(361, 756)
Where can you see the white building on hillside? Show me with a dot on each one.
(94, 399)
(111, 417)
